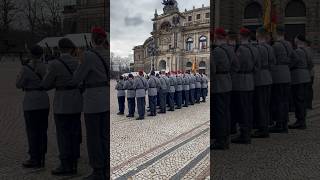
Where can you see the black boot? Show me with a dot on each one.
(65, 169)
(75, 166)
(278, 129)
(220, 144)
(243, 138)
(298, 125)
(32, 163)
(96, 175)
(260, 134)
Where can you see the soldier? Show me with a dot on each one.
(309, 95)
(198, 87)
(154, 84)
(35, 107)
(224, 63)
(300, 77)
(172, 90)
(263, 82)
(243, 87)
(141, 86)
(179, 90)
(232, 39)
(166, 78)
(158, 92)
(186, 88)
(204, 87)
(67, 107)
(163, 93)
(121, 95)
(281, 83)
(192, 81)
(131, 95)
(94, 72)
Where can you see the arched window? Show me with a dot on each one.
(189, 44)
(295, 8)
(202, 65)
(253, 11)
(203, 42)
(165, 26)
(188, 65)
(162, 65)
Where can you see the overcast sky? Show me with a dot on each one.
(131, 23)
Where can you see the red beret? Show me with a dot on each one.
(220, 31)
(99, 30)
(244, 31)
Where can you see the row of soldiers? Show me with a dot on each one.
(65, 74)
(253, 83)
(172, 89)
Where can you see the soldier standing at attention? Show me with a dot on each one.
(141, 86)
(311, 71)
(263, 82)
(152, 93)
(300, 77)
(35, 107)
(67, 107)
(224, 62)
(121, 95)
(198, 87)
(204, 87)
(192, 87)
(166, 78)
(131, 95)
(281, 78)
(243, 87)
(172, 90)
(158, 92)
(93, 71)
(186, 88)
(232, 39)
(163, 93)
(179, 90)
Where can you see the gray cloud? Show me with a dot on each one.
(133, 21)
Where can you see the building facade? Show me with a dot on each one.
(297, 16)
(178, 40)
(80, 15)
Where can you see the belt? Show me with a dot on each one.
(245, 72)
(66, 88)
(95, 85)
(33, 89)
(295, 68)
(222, 72)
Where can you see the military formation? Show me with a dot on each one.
(165, 91)
(81, 84)
(257, 78)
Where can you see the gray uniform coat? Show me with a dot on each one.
(179, 83)
(204, 81)
(65, 101)
(141, 86)
(172, 84)
(163, 85)
(299, 68)
(192, 81)
(243, 80)
(267, 59)
(120, 88)
(225, 63)
(128, 85)
(283, 52)
(167, 82)
(28, 79)
(153, 86)
(198, 81)
(91, 71)
(186, 83)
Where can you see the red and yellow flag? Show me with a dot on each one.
(269, 16)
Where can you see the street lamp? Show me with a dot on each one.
(152, 51)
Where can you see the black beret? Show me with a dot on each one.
(130, 75)
(152, 73)
(36, 50)
(66, 43)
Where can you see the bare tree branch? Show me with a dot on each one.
(7, 10)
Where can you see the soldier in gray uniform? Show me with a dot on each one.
(300, 77)
(263, 82)
(172, 90)
(309, 95)
(192, 92)
(35, 107)
(67, 107)
(166, 78)
(141, 86)
(131, 95)
(186, 88)
(158, 92)
(121, 94)
(224, 63)
(198, 87)
(204, 87)
(93, 71)
(281, 78)
(154, 84)
(243, 88)
(163, 93)
(179, 90)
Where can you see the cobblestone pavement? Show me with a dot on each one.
(13, 142)
(293, 156)
(169, 146)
